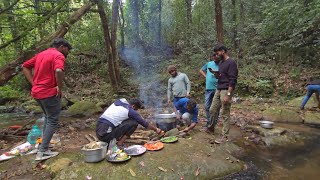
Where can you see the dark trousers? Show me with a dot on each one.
(127, 128)
(51, 107)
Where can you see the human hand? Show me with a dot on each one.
(178, 116)
(188, 95)
(158, 131)
(226, 99)
(59, 92)
(185, 130)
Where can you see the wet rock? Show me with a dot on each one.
(276, 131)
(282, 114)
(297, 102)
(312, 118)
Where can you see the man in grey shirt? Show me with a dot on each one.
(178, 85)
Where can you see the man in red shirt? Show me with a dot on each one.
(47, 78)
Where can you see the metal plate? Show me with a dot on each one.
(135, 150)
(170, 139)
(108, 158)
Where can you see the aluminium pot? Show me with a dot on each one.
(95, 155)
(266, 124)
(166, 122)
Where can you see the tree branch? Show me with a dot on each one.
(9, 7)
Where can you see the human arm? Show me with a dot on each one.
(28, 74)
(27, 69)
(232, 75)
(203, 69)
(59, 77)
(188, 85)
(155, 129)
(187, 129)
(169, 92)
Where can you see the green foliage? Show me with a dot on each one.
(6, 92)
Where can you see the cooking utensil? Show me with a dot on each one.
(266, 124)
(169, 139)
(135, 150)
(115, 160)
(154, 146)
(95, 155)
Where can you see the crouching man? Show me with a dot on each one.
(120, 120)
(187, 112)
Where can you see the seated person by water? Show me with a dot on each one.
(187, 112)
(120, 120)
(312, 87)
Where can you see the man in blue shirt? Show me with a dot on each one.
(211, 86)
(188, 112)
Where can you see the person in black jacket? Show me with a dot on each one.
(227, 80)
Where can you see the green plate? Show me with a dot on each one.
(169, 139)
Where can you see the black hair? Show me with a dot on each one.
(220, 47)
(137, 103)
(192, 103)
(60, 41)
(212, 54)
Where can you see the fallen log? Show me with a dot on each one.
(136, 141)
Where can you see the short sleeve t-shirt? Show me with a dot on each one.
(44, 65)
(211, 81)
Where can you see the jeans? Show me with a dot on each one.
(216, 104)
(310, 90)
(207, 103)
(51, 108)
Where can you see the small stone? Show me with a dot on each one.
(227, 158)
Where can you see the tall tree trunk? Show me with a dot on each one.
(121, 26)
(235, 27)
(134, 11)
(189, 12)
(11, 69)
(107, 40)
(115, 18)
(38, 11)
(241, 28)
(13, 26)
(159, 24)
(219, 22)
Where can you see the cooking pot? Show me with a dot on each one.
(95, 155)
(266, 124)
(165, 122)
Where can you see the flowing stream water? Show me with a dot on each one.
(295, 162)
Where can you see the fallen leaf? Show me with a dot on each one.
(162, 169)
(132, 172)
(141, 163)
(197, 171)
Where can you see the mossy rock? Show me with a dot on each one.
(297, 102)
(83, 109)
(59, 165)
(178, 159)
(282, 114)
(312, 118)
(33, 108)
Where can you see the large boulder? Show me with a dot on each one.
(83, 109)
(312, 118)
(192, 158)
(282, 114)
(297, 102)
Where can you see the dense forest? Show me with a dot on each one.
(275, 43)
